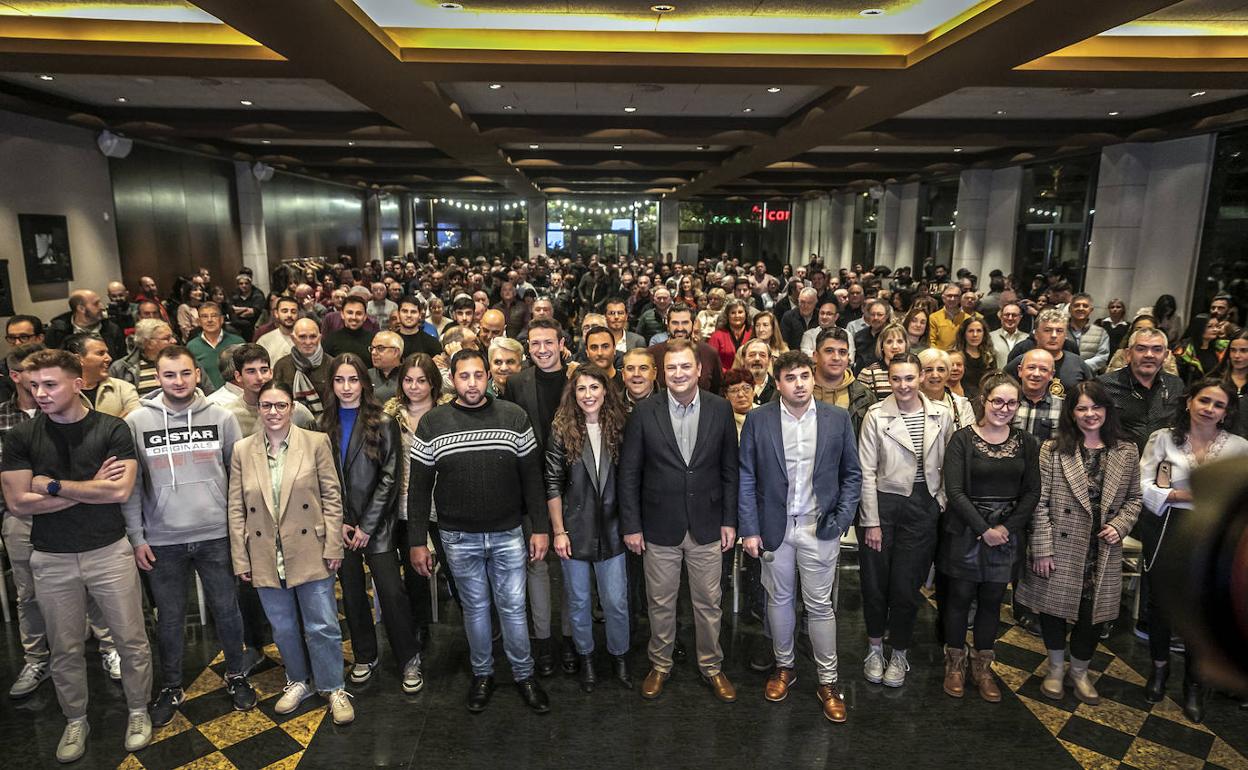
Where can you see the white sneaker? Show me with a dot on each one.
(30, 677)
(895, 676)
(340, 707)
(413, 679)
(362, 672)
(138, 730)
(292, 695)
(873, 666)
(111, 661)
(73, 741)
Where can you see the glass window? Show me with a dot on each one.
(1055, 219)
(610, 227)
(1223, 264)
(486, 227)
(747, 230)
(866, 228)
(938, 211)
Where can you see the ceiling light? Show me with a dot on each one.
(495, 86)
(957, 149)
(535, 147)
(46, 77)
(703, 147)
(246, 102)
(1114, 113)
(266, 141)
(350, 143)
(451, 6)
(122, 100)
(999, 112)
(508, 107)
(1195, 94)
(871, 12)
(617, 146)
(748, 109)
(630, 109)
(877, 149)
(773, 90)
(663, 8)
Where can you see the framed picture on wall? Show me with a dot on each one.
(45, 246)
(6, 291)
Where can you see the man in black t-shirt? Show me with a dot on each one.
(70, 468)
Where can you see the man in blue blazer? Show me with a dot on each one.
(799, 488)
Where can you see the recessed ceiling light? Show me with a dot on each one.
(246, 102)
(508, 107)
(350, 143)
(957, 149)
(1114, 113)
(773, 90)
(122, 100)
(999, 112)
(871, 12)
(630, 109)
(535, 147)
(748, 109)
(266, 141)
(1195, 94)
(617, 146)
(663, 8)
(877, 149)
(451, 6)
(495, 86)
(46, 77)
(703, 147)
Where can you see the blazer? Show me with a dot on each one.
(887, 456)
(521, 390)
(117, 397)
(370, 487)
(764, 484)
(309, 508)
(1062, 528)
(652, 473)
(591, 512)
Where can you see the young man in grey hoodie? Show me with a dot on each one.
(176, 521)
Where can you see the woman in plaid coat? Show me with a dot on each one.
(1089, 500)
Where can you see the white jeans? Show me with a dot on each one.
(814, 560)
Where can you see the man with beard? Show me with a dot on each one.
(756, 359)
(600, 351)
(353, 337)
(306, 368)
(121, 310)
(86, 314)
(680, 326)
(617, 322)
(414, 330)
(279, 341)
(654, 320)
(246, 304)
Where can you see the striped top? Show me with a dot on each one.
(914, 424)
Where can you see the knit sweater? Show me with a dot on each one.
(486, 466)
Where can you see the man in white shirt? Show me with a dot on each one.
(280, 340)
(1004, 339)
(829, 313)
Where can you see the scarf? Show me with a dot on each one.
(305, 391)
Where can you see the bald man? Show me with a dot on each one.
(493, 324)
(387, 352)
(306, 368)
(86, 314)
(121, 310)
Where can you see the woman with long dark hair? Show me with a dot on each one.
(581, 458)
(978, 359)
(731, 332)
(1089, 501)
(1234, 374)
(366, 453)
(1199, 436)
(1165, 313)
(1201, 351)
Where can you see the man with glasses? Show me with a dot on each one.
(1009, 334)
(121, 310)
(387, 354)
(213, 338)
(19, 330)
(1146, 396)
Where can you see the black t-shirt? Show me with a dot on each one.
(91, 393)
(72, 452)
(420, 342)
(347, 340)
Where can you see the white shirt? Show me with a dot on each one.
(799, 433)
(1003, 342)
(277, 343)
(810, 335)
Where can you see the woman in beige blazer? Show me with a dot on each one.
(285, 515)
(1089, 500)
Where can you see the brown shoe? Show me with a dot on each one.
(833, 703)
(981, 675)
(778, 684)
(955, 672)
(722, 688)
(652, 685)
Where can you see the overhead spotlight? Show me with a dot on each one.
(703, 147)
(663, 8)
(1193, 94)
(535, 147)
(617, 146)
(121, 100)
(999, 112)
(451, 6)
(748, 109)
(871, 12)
(957, 149)
(266, 141)
(46, 77)
(1114, 114)
(630, 109)
(246, 102)
(508, 107)
(350, 142)
(773, 90)
(876, 149)
(495, 86)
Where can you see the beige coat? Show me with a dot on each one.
(117, 397)
(1062, 528)
(887, 456)
(310, 506)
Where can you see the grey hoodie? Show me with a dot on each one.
(183, 479)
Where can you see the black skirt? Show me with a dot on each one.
(964, 556)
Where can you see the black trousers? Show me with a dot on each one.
(415, 584)
(1082, 637)
(959, 594)
(256, 631)
(396, 609)
(891, 577)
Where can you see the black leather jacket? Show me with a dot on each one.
(370, 487)
(591, 517)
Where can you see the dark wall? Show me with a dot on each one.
(175, 214)
(306, 218)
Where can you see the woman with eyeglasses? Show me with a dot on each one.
(285, 514)
(739, 390)
(992, 482)
(366, 447)
(1089, 501)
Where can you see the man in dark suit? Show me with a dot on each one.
(800, 486)
(680, 326)
(678, 504)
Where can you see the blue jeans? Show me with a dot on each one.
(315, 602)
(612, 577)
(170, 583)
(481, 561)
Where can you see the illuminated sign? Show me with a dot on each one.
(770, 215)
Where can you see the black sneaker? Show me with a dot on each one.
(534, 696)
(166, 705)
(762, 657)
(241, 693)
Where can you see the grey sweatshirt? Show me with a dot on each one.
(184, 459)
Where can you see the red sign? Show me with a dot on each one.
(770, 215)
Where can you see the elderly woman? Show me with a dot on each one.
(708, 316)
(934, 384)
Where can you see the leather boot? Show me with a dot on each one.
(955, 672)
(619, 669)
(588, 677)
(981, 675)
(1155, 690)
(1082, 685)
(1193, 692)
(1052, 687)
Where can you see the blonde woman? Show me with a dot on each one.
(891, 342)
(765, 327)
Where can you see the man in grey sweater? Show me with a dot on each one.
(176, 521)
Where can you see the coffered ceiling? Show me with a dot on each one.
(690, 98)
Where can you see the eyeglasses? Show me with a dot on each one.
(274, 406)
(741, 390)
(382, 348)
(19, 339)
(1001, 403)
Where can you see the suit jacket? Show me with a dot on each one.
(521, 390)
(370, 488)
(652, 473)
(590, 509)
(712, 378)
(764, 486)
(309, 510)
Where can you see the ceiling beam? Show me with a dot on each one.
(336, 41)
(999, 38)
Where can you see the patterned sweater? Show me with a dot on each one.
(480, 466)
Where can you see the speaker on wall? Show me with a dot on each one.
(114, 146)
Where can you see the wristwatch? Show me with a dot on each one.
(54, 487)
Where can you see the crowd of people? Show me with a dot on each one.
(616, 421)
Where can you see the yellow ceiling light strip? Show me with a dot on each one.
(52, 28)
(1154, 47)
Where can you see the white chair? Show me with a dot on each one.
(1133, 571)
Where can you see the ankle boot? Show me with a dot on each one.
(981, 675)
(1082, 685)
(1052, 685)
(955, 672)
(619, 669)
(587, 676)
(1193, 692)
(1155, 690)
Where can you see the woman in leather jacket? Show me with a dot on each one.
(366, 448)
(581, 457)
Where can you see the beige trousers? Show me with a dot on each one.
(704, 564)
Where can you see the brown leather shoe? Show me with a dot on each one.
(833, 703)
(652, 685)
(722, 688)
(981, 675)
(778, 684)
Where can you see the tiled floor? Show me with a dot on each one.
(913, 726)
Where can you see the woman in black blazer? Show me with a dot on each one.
(581, 456)
(366, 446)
